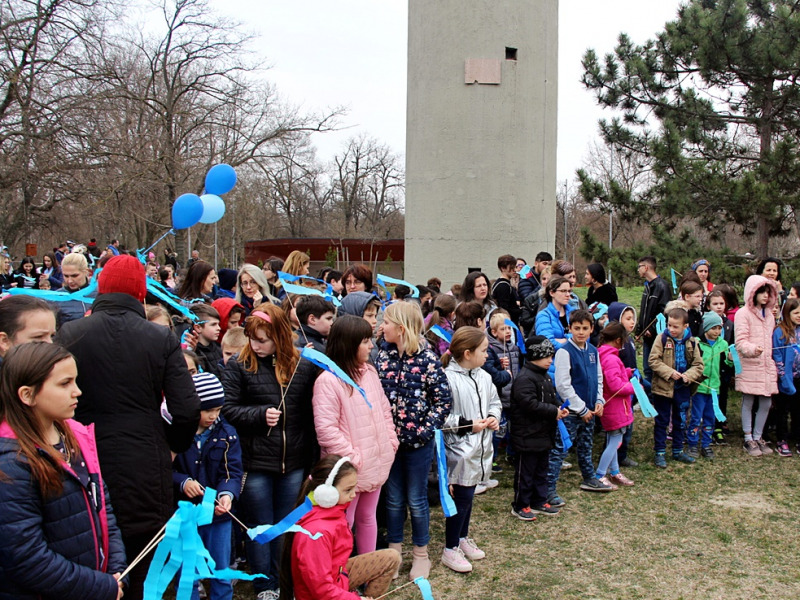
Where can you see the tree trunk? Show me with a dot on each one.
(765, 129)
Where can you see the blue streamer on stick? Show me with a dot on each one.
(566, 441)
(61, 295)
(384, 279)
(286, 277)
(524, 271)
(264, 534)
(718, 415)
(517, 334)
(425, 588)
(160, 292)
(674, 281)
(322, 361)
(648, 410)
(442, 333)
(661, 323)
(301, 290)
(448, 505)
(737, 364)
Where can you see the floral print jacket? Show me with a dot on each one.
(418, 392)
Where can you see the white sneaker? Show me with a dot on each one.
(480, 488)
(490, 483)
(470, 549)
(565, 466)
(269, 595)
(454, 558)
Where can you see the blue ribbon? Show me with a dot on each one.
(302, 290)
(264, 534)
(160, 292)
(384, 279)
(674, 281)
(648, 410)
(661, 324)
(448, 505)
(717, 410)
(442, 333)
(517, 334)
(182, 550)
(322, 361)
(287, 277)
(737, 364)
(566, 441)
(61, 295)
(425, 588)
(524, 272)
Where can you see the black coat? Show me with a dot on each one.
(212, 354)
(534, 410)
(655, 296)
(291, 444)
(126, 366)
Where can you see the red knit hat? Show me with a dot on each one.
(123, 274)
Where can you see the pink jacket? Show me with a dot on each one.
(752, 329)
(617, 390)
(348, 427)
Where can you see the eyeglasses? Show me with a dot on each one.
(567, 291)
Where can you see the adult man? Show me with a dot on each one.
(655, 296)
(599, 289)
(195, 257)
(126, 365)
(75, 271)
(113, 247)
(503, 292)
(531, 284)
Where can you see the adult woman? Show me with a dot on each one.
(357, 278)
(552, 321)
(26, 274)
(419, 394)
(252, 287)
(268, 391)
(703, 269)
(199, 282)
(51, 270)
(25, 319)
(771, 269)
(297, 263)
(348, 426)
(476, 287)
(533, 303)
(271, 267)
(567, 270)
(59, 533)
(6, 276)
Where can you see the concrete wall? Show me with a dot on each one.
(480, 159)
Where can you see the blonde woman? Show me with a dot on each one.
(297, 263)
(419, 395)
(252, 288)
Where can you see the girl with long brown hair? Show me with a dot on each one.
(61, 539)
(268, 391)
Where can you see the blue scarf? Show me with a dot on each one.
(680, 351)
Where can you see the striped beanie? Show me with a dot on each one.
(210, 390)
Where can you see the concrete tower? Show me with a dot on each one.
(481, 134)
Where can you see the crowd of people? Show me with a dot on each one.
(121, 399)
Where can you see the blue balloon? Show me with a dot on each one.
(186, 211)
(220, 179)
(213, 208)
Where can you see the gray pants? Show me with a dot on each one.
(754, 431)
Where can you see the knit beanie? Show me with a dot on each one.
(210, 390)
(123, 274)
(597, 272)
(711, 319)
(538, 346)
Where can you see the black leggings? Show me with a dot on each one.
(457, 526)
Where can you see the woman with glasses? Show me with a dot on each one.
(252, 288)
(552, 321)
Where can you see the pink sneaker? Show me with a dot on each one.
(470, 549)
(607, 481)
(454, 558)
(620, 479)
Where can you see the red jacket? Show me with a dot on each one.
(318, 566)
(617, 390)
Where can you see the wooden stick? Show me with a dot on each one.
(218, 503)
(400, 587)
(284, 390)
(147, 549)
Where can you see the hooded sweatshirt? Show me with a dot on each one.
(753, 327)
(224, 306)
(628, 353)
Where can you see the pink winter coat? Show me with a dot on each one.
(759, 374)
(347, 426)
(617, 390)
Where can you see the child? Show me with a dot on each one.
(321, 568)
(787, 361)
(215, 461)
(159, 315)
(192, 362)
(419, 394)
(692, 294)
(347, 425)
(617, 411)
(504, 294)
(315, 315)
(718, 303)
(677, 365)
(533, 414)
(207, 332)
(443, 315)
(468, 446)
(758, 381)
(715, 351)
(470, 314)
(362, 304)
(232, 343)
(60, 535)
(626, 315)
(578, 378)
(504, 348)
(230, 312)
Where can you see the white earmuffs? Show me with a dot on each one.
(326, 495)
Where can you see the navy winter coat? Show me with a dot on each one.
(67, 547)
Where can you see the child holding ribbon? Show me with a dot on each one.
(316, 563)
(786, 354)
(469, 449)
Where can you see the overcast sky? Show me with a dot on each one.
(352, 53)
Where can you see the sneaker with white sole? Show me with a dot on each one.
(480, 489)
(269, 595)
(470, 549)
(762, 445)
(454, 559)
(751, 447)
(595, 485)
(490, 483)
(523, 514)
(544, 509)
(566, 466)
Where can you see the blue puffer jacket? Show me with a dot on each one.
(61, 547)
(549, 325)
(784, 358)
(418, 392)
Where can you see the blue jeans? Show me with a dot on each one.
(582, 436)
(676, 407)
(217, 540)
(407, 486)
(266, 499)
(702, 415)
